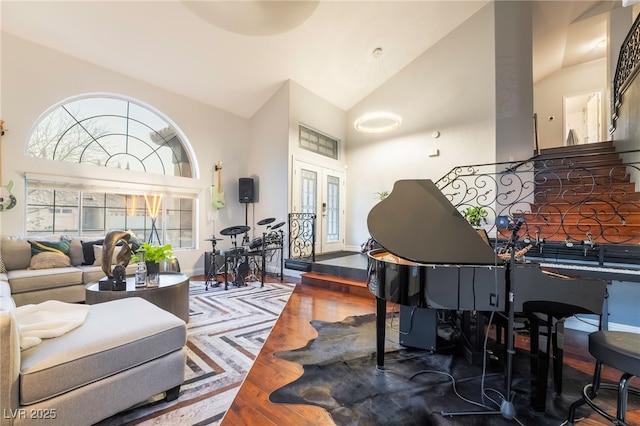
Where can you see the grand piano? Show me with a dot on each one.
(432, 258)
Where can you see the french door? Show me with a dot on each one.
(320, 190)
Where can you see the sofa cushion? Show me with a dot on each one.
(46, 260)
(16, 253)
(75, 250)
(23, 280)
(97, 253)
(116, 336)
(92, 273)
(6, 301)
(87, 251)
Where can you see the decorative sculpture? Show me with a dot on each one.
(115, 278)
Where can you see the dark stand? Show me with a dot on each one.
(212, 276)
(507, 409)
(154, 231)
(112, 284)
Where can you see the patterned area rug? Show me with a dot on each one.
(225, 333)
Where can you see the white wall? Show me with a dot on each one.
(34, 78)
(549, 97)
(450, 88)
(267, 160)
(514, 74)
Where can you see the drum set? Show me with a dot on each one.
(242, 263)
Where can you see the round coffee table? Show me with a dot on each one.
(171, 295)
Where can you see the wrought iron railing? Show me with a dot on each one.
(302, 236)
(570, 198)
(626, 69)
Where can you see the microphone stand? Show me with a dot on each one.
(507, 409)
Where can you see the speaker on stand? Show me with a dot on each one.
(247, 195)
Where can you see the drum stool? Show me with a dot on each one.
(619, 350)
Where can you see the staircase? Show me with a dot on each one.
(576, 195)
(583, 193)
(345, 274)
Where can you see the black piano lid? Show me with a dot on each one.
(417, 222)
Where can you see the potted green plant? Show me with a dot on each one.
(475, 215)
(382, 195)
(153, 256)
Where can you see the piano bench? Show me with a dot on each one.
(619, 350)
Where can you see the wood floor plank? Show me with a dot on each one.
(293, 330)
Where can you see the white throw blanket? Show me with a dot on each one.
(46, 320)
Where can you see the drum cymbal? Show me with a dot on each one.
(266, 221)
(234, 230)
(276, 226)
(214, 239)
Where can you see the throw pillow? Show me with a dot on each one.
(87, 251)
(3, 268)
(97, 253)
(75, 249)
(61, 247)
(46, 260)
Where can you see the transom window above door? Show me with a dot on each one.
(110, 132)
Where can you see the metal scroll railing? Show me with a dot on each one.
(626, 69)
(570, 198)
(302, 236)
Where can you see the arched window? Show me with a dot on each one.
(110, 132)
(106, 131)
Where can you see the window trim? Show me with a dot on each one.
(101, 185)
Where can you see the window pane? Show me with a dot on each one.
(110, 132)
(93, 219)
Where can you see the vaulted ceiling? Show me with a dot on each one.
(235, 54)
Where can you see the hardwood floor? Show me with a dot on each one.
(251, 405)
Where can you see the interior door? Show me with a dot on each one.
(320, 190)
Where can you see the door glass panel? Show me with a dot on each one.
(308, 197)
(308, 191)
(333, 209)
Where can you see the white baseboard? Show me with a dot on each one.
(590, 325)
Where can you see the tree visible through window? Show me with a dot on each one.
(114, 133)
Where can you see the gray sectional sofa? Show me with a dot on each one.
(121, 354)
(125, 352)
(50, 280)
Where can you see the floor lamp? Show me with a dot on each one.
(153, 207)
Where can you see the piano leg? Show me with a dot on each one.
(381, 325)
(539, 353)
(558, 354)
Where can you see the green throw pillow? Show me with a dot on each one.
(61, 247)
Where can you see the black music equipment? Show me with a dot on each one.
(432, 258)
(210, 264)
(255, 243)
(413, 332)
(233, 251)
(277, 225)
(266, 221)
(234, 230)
(246, 190)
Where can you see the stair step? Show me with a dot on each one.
(584, 148)
(598, 187)
(570, 197)
(579, 160)
(331, 282)
(610, 168)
